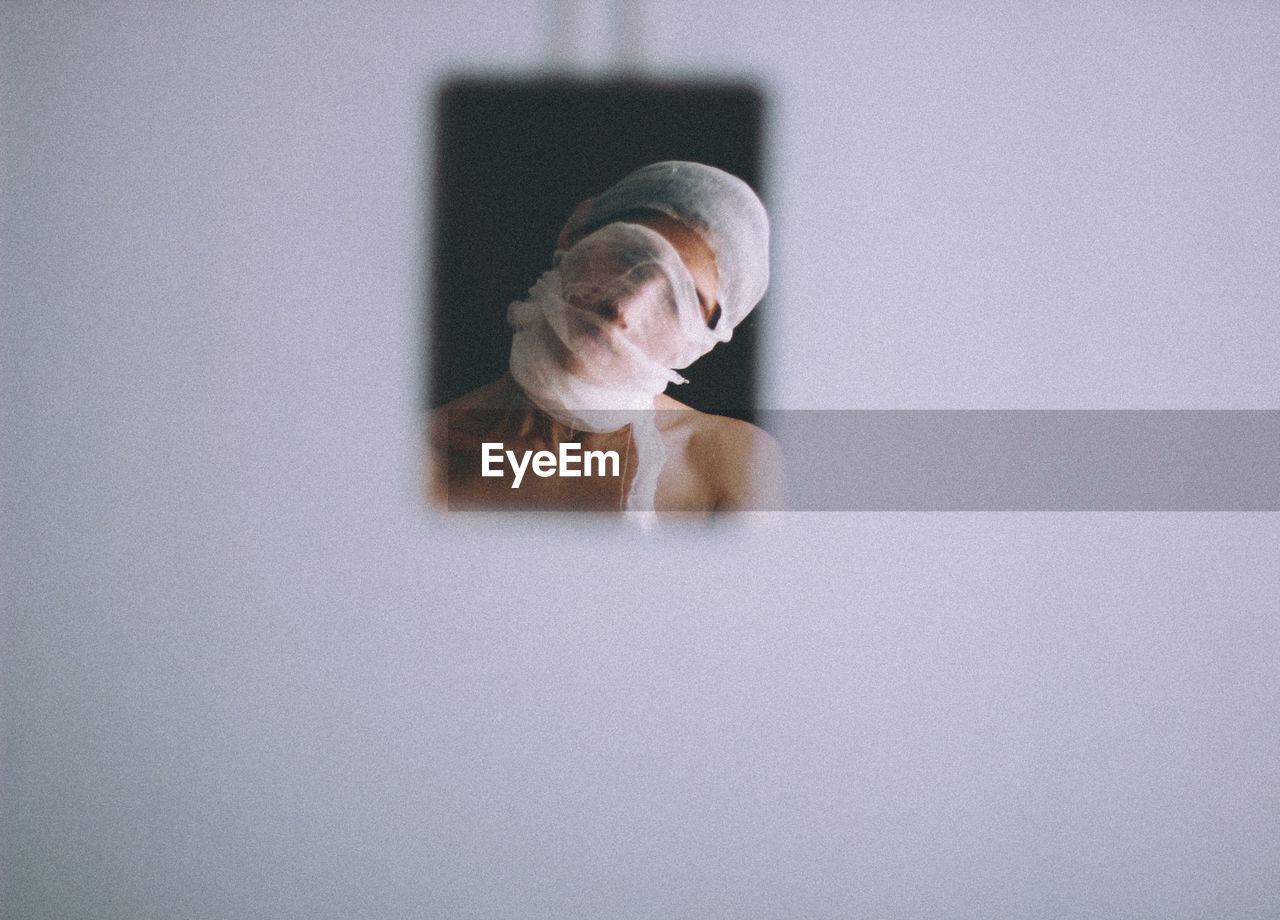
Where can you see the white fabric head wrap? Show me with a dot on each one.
(601, 334)
(719, 207)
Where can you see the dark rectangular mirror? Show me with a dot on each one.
(514, 157)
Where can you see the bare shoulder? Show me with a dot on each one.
(452, 432)
(472, 409)
(493, 395)
(741, 463)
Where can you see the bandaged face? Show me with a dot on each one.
(650, 275)
(629, 307)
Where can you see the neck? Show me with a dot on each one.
(527, 419)
(523, 418)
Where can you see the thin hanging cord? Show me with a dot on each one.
(561, 26)
(597, 35)
(631, 24)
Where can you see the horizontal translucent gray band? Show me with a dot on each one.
(1032, 460)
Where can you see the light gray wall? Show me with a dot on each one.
(245, 675)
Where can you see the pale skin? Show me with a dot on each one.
(713, 463)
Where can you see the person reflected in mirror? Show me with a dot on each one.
(647, 277)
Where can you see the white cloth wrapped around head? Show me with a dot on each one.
(718, 206)
(627, 282)
(602, 333)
